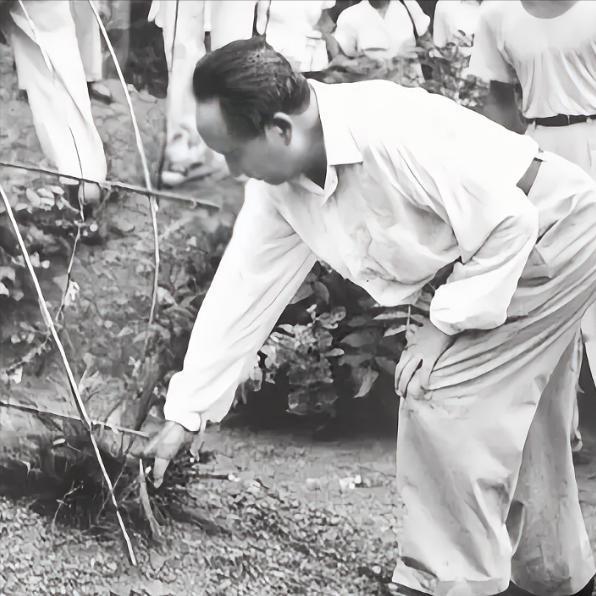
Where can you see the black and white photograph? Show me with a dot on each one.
(297, 297)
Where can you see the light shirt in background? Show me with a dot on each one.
(454, 17)
(414, 182)
(290, 30)
(361, 29)
(553, 59)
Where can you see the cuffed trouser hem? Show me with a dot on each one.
(420, 581)
(569, 588)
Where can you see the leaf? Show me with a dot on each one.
(359, 339)
(331, 320)
(33, 198)
(7, 273)
(35, 260)
(334, 353)
(354, 359)
(367, 378)
(359, 321)
(321, 292)
(304, 291)
(56, 190)
(392, 314)
(395, 330)
(61, 281)
(271, 354)
(45, 193)
(164, 296)
(386, 364)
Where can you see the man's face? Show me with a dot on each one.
(274, 156)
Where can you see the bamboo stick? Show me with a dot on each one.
(116, 184)
(55, 414)
(74, 389)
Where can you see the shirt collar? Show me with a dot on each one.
(340, 146)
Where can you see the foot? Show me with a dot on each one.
(100, 92)
(85, 193)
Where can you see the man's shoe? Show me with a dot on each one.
(100, 92)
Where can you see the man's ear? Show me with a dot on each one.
(281, 127)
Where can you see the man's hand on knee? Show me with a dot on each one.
(425, 346)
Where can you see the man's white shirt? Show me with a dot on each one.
(414, 183)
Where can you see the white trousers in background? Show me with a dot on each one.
(484, 462)
(577, 143)
(58, 98)
(183, 23)
(89, 39)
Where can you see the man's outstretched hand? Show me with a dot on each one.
(164, 447)
(425, 346)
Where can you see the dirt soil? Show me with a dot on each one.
(281, 514)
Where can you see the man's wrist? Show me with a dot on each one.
(191, 421)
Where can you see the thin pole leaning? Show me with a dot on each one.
(80, 405)
(145, 168)
(15, 405)
(115, 184)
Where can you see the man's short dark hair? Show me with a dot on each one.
(252, 82)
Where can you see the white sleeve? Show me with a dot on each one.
(441, 33)
(493, 223)
(489, 61)
(496, 241)
(420, 18)
(261, 270)
(346, 34)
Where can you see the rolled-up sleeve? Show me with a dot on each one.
(261, 270)
(495, 227)
(496, 232)
(494, 224)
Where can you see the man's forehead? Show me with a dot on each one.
(212, 126)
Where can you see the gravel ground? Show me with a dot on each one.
(290, 521)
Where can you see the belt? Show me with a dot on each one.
(562, 120)
(527, 180)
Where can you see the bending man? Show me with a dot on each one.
(389, 196)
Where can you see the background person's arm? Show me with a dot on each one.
(501, 105)
(490, 63)
(346, 34)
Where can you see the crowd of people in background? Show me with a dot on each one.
(59, 60)
(548, 49)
